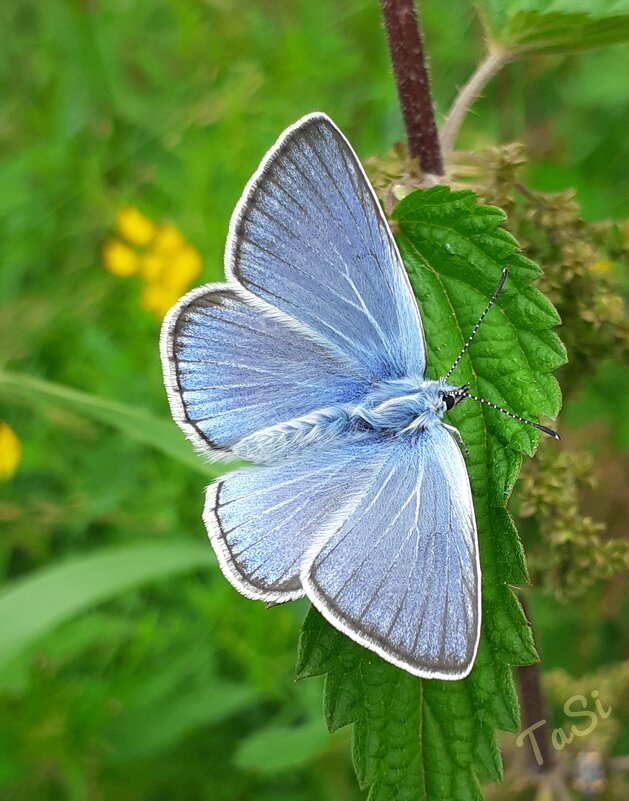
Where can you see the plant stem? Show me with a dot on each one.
(534, 710)
(489, 66)
(413, 87)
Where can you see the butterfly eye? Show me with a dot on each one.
(449, 401)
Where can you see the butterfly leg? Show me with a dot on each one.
(459, 439)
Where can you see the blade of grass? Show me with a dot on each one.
(32, 606)
(138, 424)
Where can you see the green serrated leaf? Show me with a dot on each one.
(428, 739)
(382, 701)
(536, 27)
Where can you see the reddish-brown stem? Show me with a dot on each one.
(413, 86)
(534, 711)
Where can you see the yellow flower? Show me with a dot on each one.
(601, 266)
(152, 267)
(165, 262)
(158, 299)
(10, 451)
(119, 259)
(168, 239)
(133, 226)
(182, 269)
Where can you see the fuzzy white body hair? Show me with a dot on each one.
(390, 407)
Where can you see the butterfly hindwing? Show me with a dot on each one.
(401, 574)
(262, 521)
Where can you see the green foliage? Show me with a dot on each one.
(275, 748)
(454, 252)
(536, 27)
(137, 424)
(572, 553)
(35, 604)
(176, 688)
(166, 715)
(578, 279)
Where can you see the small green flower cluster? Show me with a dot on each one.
(571, 552)
(581, 262)
(493, 172)
(580, 265)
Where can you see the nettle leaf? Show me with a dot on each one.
(429, 739)
(537, 27)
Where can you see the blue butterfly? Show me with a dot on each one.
(309, 361)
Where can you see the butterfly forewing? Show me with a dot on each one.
(329, 308)
(310, 238)
(234, 366)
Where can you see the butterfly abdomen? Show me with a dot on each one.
(390, 408)
(324, 428)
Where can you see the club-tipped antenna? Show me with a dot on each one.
(503, 278)
(517, 417)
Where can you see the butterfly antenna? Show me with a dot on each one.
(503, 278)
(517, 417)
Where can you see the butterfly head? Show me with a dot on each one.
(450, 395)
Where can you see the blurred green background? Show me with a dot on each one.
(173, 686)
